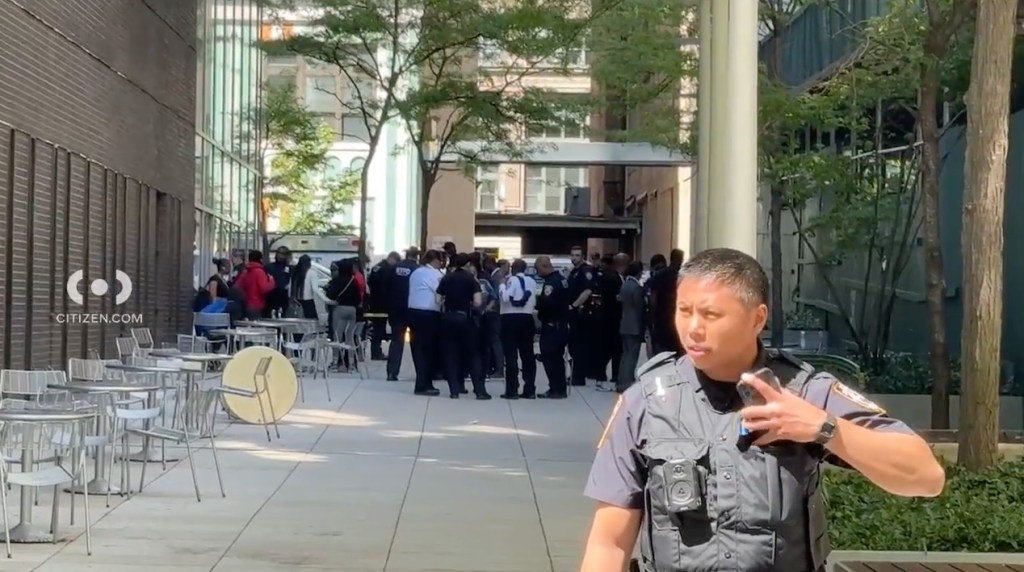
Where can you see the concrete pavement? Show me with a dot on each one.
(376, 480)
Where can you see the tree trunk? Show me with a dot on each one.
(364, 194)
(775, 221)
(931, 164)
(988, 109)
(428, 185)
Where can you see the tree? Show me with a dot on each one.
(413, 61)
(988, 110)
(293, 164)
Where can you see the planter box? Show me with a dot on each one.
(916, 410)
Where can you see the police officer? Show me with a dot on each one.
(553, 314)
(398, 308)
(611, 281)
(719, 475)
(582, 337)
(377, 283)
(460, 294)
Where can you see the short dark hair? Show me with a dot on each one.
(518, 265)
(430, 256)
(460, 260)
(255, 256)
(732, 268)
(608, 259)
(634, 269)
(412, 253)
(658, 260)
(676, 256)
(579, 248)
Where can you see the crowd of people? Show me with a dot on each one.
(471, 316)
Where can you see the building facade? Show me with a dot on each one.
(227, 138)
(391, 207)
(97, 175)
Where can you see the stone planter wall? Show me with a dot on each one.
(916, 410)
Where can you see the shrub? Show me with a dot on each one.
(977, 512)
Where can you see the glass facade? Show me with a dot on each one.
(227, 130)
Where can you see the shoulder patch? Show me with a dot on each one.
(856, 397)
(588, 276)
(655, 362)
(611, 419)
(548, 290)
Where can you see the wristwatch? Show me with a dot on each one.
(827, 431)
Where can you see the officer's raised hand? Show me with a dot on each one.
(784, 416)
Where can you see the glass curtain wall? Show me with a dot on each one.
(227, 130)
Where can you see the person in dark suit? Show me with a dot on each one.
(631, 326)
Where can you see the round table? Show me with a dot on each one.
(24, 532)
(282, 385)
(100, 484)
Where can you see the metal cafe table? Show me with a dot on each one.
(25, 532)
(147, 455)
(100, 485)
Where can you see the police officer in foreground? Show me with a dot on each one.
(727, 463)
(459, 294)
(553, 314)
(398, 308)
(582, 335)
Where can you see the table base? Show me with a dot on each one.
(25, 533)
(96, 487)
(152, 457)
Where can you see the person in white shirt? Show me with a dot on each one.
(518, 298)
(425, 320)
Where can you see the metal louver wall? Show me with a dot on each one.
(60, 213)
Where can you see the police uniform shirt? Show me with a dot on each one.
(552, 305)
(618, 475)
(513, 289)
(458, 288)
(398, 284)
(581, 278)
(423, 288)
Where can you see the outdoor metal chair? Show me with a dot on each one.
(312, 352)
(61, 442)
(352, 347)
(127, 347)
(144, 339)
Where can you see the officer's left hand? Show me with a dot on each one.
(785, 416)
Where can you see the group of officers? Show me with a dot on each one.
(470, 315)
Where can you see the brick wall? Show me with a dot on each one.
(97, 172)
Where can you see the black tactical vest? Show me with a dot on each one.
(707, 505)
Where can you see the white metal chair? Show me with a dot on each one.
(195, 422)
(143, 338)
(351, 346)
(311, 353)
(122, 417)
(127, 347)
(62, 442)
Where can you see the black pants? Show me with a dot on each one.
(378, 327)
(552, 356)
(276, 300)
(611, 350)
(494, 356)
(629, 361)
(399, 322)
(517, 331)
(460, 347)
(424, 326)
(583, 341)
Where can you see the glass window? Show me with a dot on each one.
(319, 95)
(362, 93)
(276, 82)
(353, 128)
(332, 169)
(570, 126)
(545, 187)
(488, 187)
(357, 164)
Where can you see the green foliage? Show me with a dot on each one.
(295, 161)
(973, 514)
(900, 373)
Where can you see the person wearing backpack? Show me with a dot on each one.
(518, 300)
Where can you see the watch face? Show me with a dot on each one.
(827, 431)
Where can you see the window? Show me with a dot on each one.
(545, 187)
(571, 126)
(363, 93)
(357, 164)
(282, 60)
(277, 82)
(353, 128)
(488, 188)
(332, 169)
(320, 90)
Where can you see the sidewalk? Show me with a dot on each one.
(377, 480)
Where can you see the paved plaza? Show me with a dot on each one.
(376, 480)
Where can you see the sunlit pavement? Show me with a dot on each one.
(376, 480)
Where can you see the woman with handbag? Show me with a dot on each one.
(343, 291)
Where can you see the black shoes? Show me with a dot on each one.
(429, 393)
(392, 378)
(528, 395)
(551, 395)
(483, 396)
(510, 396)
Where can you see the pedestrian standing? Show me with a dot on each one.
(631, 326)
(398, 309)
(553, 314)
(425, 320)
(460, 296)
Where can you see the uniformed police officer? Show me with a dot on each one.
(459, 292)
(398, 308)
(553, 314)
(582, 336)
(713, 484)
(377, 284)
